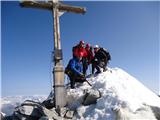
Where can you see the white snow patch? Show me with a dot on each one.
(122, 96)
(120, 91)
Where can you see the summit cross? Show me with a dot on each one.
(56, 7)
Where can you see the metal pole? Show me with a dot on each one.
(58, 71)
(55, 29)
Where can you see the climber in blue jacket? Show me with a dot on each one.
(74, 70)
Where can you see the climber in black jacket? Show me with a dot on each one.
(101, 59)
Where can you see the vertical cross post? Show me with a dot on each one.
(58, 72)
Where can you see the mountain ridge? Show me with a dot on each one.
(122, 97)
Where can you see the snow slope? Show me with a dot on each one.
(119, 90)
(125, 88)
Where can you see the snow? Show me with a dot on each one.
(118, 89)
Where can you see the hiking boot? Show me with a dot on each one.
(98, 72)
(105, 69)
(72, 87)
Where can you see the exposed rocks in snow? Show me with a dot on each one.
(9, 103)
(49, 103)
(144, 113)
(30, 110)
(2, 115)
(69, 114)
(91, 97)
(44, 118)
(118, 90)
(156, 111)
(122, 97)
(33, 111)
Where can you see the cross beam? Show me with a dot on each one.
(50, 5)
(58, 71)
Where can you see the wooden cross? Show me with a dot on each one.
(58, 71)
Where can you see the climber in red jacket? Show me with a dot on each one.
(89, 57)
(79, 50)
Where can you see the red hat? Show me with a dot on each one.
(88, 45)
(81, 42)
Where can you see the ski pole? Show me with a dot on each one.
(88, 82)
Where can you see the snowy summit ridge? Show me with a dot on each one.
(126, 88)
(122, 98)
(119, 90)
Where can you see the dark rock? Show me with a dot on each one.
(8, 118)
(91, 96)
(156, 111)
(69, 114)
(49, 103)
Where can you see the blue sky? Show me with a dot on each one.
(129, 30)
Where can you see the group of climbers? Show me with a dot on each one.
(83, 56)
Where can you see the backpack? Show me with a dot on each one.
(107, 54)
(68, 69)
(74, 49)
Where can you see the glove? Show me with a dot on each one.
(82, 75)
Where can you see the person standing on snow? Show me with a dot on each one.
(74, 71)
(89, 57)
(79, 50)
(101, 58)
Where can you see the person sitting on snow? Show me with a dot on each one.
(101, 58)
(74, 71)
